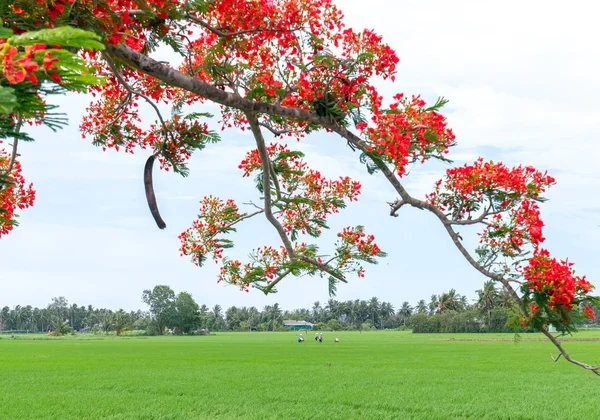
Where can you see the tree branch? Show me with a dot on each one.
(132, 91)
(271, 285)
(558, 345)
(15, 145)
(219, 32)
(266, 162)
(175, 78)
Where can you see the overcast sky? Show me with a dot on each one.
(523, 87)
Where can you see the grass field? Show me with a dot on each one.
(373, 375)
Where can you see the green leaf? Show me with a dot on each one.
(196, 115)
(7, 100)
(5, 33)
(65, 36)
(332, 286)
(438, 104)
(430, 135)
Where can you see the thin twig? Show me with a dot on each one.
(271, 285)
(220, 33)
(15, 145)
(130, 89)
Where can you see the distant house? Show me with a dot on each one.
(297, 325)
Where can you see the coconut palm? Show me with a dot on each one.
(406, 310)
(450, 301)
(386, 310)
(107, 323)
(317, 311)
(488, 297)
(119, 322)
(374, 308)
(421, 307)
(433, 304)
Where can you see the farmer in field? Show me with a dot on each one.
(321, 338)
(316, 336)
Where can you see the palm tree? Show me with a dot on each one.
(233, 318)
(61, 327)
(433, 304)
(107, 323)
(450, 301)
(374, 308)
(120, 322)
(316, 311)
(421, 307)
(217, 318)
(363, 311)
(332, 309)
(463, 303)
(18, 317)
(253, 317)
(275, 314)
(488, 297)
(386, 310)
(406, 311)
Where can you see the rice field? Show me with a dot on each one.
(369, 375)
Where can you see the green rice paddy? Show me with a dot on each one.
(369, 375)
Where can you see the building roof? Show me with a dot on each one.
(292, 322)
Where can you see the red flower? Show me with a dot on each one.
(589, 312)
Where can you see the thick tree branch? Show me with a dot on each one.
(175, 78)
(266, 162)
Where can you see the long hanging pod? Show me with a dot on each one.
(150, 197)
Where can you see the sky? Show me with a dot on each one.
(522, 82)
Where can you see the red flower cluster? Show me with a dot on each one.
(508, 197)
(18, 66)
(15, 194)
(507, 194)
(521, 225)
(468, 185)
(407, 132)
(267, 263)
(355, 245)
(112, 17)
(114, 121)
(556, 280)
(306, 197)
(216, 217)
(589, 312)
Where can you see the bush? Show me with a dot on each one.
(334, 325)
(367, 326)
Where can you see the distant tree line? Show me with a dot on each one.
(449, 312)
